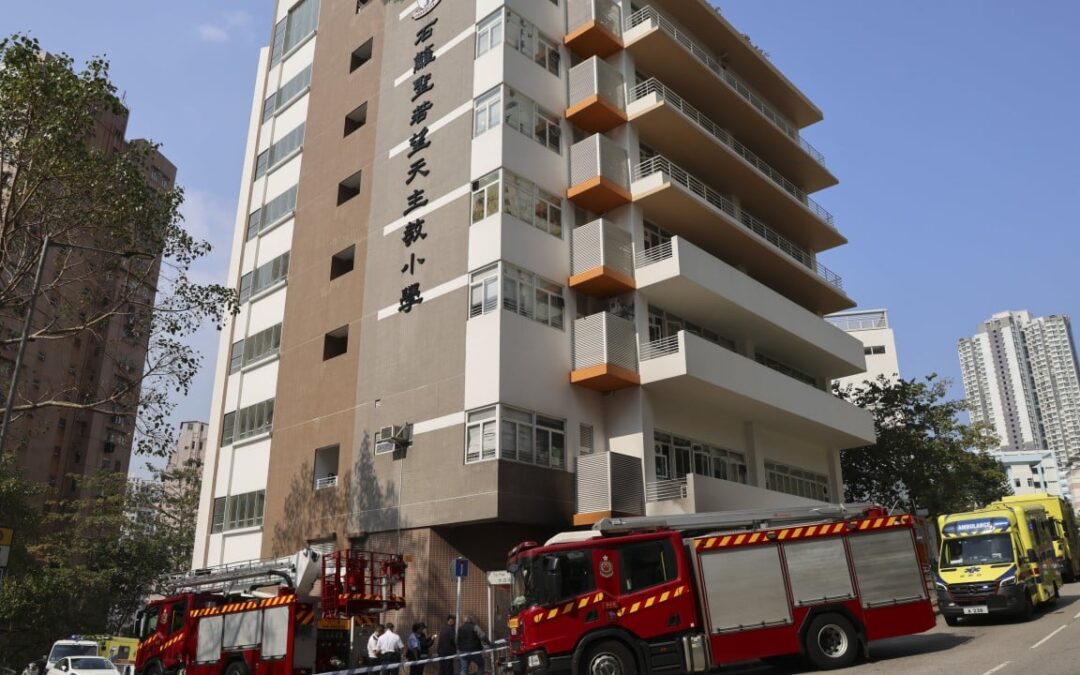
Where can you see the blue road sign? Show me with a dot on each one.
(460, 568)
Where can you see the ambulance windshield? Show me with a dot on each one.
(985, 549)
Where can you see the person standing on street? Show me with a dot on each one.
(446, 646)
(373, 645)
(471, 639)
(418, 645)
(390, 646)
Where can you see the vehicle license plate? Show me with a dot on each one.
(981, 609)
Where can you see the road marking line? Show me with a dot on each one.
(996, 668)
(1077, 615)
(1036, 645)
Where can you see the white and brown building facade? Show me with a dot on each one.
(566, 245)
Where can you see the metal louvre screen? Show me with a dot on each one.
(887, 568)
(242, 630)
(208, 646)
(818, 571)
(275, 637)
(754, 597)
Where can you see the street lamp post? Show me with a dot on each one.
(46, 242)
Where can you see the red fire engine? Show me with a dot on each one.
(685, 594)
(217, 622)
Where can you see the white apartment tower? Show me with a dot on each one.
(1020, 375)
(509, 266)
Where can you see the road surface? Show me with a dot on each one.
(1047, 645)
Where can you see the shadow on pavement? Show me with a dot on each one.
(883, 650)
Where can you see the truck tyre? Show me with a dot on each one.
(236, 668)
(1027, 609)
(952, 620)
(831, 642)
(606, 658)
(153, 669)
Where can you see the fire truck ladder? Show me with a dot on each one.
(298, 571)
(732, 520)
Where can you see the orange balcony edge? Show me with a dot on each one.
(599, 194)
(585, 519)
(592, 39)
(605, 377)
(595, 115)
(602, 281)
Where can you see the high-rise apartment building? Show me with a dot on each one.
(1020, 375)
(510, 266)
(55, 445)
(871, 328)
(190, 444)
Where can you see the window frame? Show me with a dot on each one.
(490, 32)
(488, 106)
(627, 566)
(523, 426)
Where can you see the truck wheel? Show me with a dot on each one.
(952, 620)
(1027, 609)
(831, 642)
(607, 658)
(152, 669)
(236, 668)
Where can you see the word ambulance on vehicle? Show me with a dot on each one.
(1067, 540)
(997, 560)
(217, 622)
(685, 594)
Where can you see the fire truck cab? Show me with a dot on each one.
(224, 621)
(686, 594)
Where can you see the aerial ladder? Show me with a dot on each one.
(749, 519)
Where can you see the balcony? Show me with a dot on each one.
(688, 207)
(594, 28)
(597, 96)
(693, 284)
(599, 174)
(707, 377)
(605, 353)
(609, 484)
(602, 259)
(667, 52)
(674, 128)
(325, 482)
(695, 493)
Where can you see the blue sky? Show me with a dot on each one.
(951, 126)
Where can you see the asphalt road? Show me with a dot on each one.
(1047, 645)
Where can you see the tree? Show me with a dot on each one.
(924, 458)
(62, 176)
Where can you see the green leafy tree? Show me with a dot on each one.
(62, 175)
(925, 457)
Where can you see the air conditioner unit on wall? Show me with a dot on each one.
(392, 438)
(385, 447)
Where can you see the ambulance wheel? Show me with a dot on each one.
(1057, 592)
(831, 642)
(952, 620)
(1027, 609)
(236, 668)
(607, 658)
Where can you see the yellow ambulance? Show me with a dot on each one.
(1066, 537)
(998, 560)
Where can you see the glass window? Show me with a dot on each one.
(646, 565)
(288, 91)
(489, 32)
(218, 522)
(533, 297)
(524, 115)
(236, 356)
(302, 20)
(488, 111)
(795, 481)
(262, 345)
(480, 438)
(485, 196)
(546, 54)
(484, 291)
(280, 151)
(228, 423)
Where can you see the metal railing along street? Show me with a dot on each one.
(655, 18)
(659, 164)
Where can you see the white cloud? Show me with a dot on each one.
(211, 33)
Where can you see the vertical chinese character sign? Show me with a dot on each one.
(418, 171)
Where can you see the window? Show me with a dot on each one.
(264, 277)
(585, 439)
(245, 510)
(348, 188)
(288, 92)
(646, 565)
(527, 202)
(356, 119)
(480, 435)
(342, 263)
(532, 296)
(335, 343)
(276, 210)
(663, 324)
(524, 115)
(262, 345)
(487, 111)
(485, 196)
(489, 32)
(236, 356)
(873, 350)
(546, 55)
(360, 4)
(295, 28)
(326, 466)
(576, 572)
(253, 420)
(277, 153)
(361, 55)
(228, 424)
(794, 481)
(676, 456)
(785, 369)
(484, 291)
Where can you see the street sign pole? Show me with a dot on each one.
(460, 570)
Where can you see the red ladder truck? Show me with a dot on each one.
(223, 621)
(688, 593)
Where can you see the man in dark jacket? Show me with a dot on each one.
(471, 639)
(446, 646)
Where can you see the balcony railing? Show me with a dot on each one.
(678, 175)
(609, 482)
(654, 86)
(605, 339)
(604, 12)
(868, 321)
(326, 482)
(595, 76)
(661, 490)
(595, 156)
(653, 255)
(656, 19)
(661, 347)
(601, 243)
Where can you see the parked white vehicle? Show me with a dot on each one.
(83, 665)
(72, 647)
